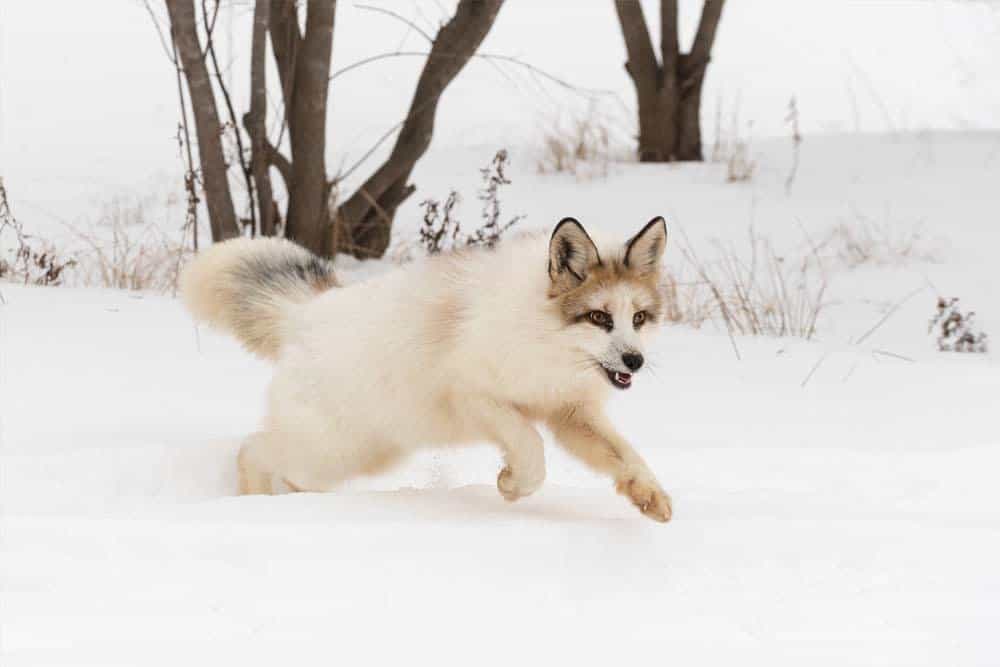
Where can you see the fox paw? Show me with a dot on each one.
(647, 495)
(513, 486)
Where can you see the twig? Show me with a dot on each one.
(815, 367)
(398, 17)
(496, 57)
(159, 33)
(899, 304)
(886, 353)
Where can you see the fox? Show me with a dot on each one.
(471, 346)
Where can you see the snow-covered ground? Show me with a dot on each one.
(850, 519)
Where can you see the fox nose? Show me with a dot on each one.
(632, 361)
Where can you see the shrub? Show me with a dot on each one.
(32, 261)
(441, 230)
(956, 331)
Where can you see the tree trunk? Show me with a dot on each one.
(689, 118)
(285, 39)
(184, 30)
(668, 92)
(364, 222)
(255, 120)
(308, 215)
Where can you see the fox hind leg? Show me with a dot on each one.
(254, 474)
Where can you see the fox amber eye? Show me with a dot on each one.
(639, 318)
(600, 318)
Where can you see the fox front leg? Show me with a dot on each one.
(589, 436)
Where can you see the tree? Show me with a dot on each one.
(362, 225)
(669, 89)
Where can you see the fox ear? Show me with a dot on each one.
(644, 250)
(571, 254)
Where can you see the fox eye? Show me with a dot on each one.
(638, 319)
(600, 318)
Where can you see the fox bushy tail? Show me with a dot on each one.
(246, 288)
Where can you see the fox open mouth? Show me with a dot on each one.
(619, 379)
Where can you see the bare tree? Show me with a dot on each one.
(364, 221)
(668, 89)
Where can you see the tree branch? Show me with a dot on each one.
(398, 17)
(367, 226)
(701, 50)
(641, 64)
(286, 38)
(281, 163)
(669, 46)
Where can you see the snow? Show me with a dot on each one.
(833, 505)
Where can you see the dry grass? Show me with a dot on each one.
(127, 251)
(25, 258)
(753, 290)
(686, 299)
(756, 290)
(732, 145)
(581, 146)
(864, 241)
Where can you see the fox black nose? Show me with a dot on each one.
(632, 361)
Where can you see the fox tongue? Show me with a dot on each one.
(623, 379)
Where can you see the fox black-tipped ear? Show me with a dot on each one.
(571, 254)
(644, 250)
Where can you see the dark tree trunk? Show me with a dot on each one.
(308, 214)
(218, 199)
(668, 91)
(364, 222)
(285, 39)
(255, 120)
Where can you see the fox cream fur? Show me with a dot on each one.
(480, 345)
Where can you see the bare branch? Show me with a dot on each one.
(398, 17)
(281, 163)
(641, 64)
(899, 304)
(669, 46)
(701, 50)
(159, 33)
(286, 38)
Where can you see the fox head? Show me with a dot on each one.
(613, 301)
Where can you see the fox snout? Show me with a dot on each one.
(632, 360)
